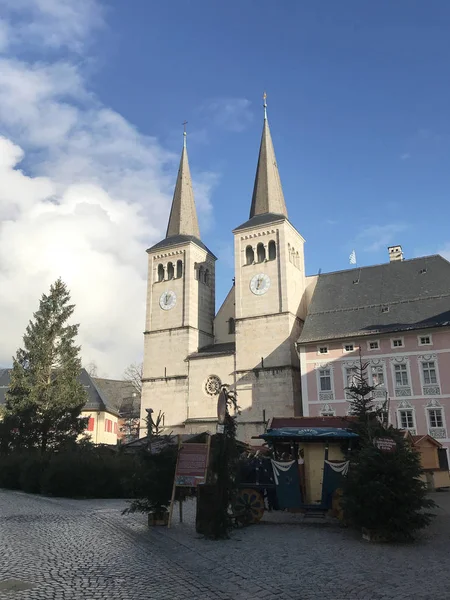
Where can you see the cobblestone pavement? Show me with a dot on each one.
(57, 549)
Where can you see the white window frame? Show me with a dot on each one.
(413, 412)
(405, 385)
(348, 344)
(435, 405)
(419, 340)
(383, 367)
(405, 361)
(319, 386)
(427, 359)
(322, 353)
(328, 367)
(327, 411)
(373, 342)
(429, 409)
(395, 339)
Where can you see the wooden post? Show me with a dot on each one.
(169, 523)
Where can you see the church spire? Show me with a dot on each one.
(183, 214)
(267, 191)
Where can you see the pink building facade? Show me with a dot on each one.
(397, 316)
(411, 369)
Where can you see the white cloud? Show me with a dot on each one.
(82, 195)
(231, 114)
(381, 236)
(52, 23)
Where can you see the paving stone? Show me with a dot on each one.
(86, 550)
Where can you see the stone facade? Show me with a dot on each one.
(250, 344)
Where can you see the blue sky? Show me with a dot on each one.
(358, 96)
(92, 101)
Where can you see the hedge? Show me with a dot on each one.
(92, 473)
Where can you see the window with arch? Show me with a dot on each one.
(201, 274)
(160, 272)
(231, 326)
(170, 271)
(261, 252)
(179, 268)
(207, 277)
(272, 250)
(196, 271)
(249, 256)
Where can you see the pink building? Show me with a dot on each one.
(398, 315)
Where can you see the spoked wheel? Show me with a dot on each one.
(249, 506)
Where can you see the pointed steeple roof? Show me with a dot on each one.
(183, 214)
(183, 222)
(267, 191)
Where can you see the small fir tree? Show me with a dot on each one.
(383, 492)
(224, 464)
(45, 398)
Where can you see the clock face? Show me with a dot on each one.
(168, 300)
(259, 284)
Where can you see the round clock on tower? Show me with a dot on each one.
(167, 300)
(259, 284)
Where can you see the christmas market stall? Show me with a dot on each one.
(300, 469)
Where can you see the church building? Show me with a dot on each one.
(250, 343)
(289, 344)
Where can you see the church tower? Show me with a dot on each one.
(270, 284)
(180, 306)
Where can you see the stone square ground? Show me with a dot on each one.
(59, 549)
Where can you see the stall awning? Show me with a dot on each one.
(307, 434)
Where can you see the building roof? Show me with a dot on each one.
(122, 395)
(307, 434)
(214, 350)
(302, 422)
(392, 297)
(183, 214)
(267, 190)
(97, 401)
(176, 240)
(264, 219)
(183, 222)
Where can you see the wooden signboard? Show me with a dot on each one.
(191, 469)
(385, 444)
(192, 464)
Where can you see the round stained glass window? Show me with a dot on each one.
(212, 385)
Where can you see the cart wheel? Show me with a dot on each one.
(249, 506)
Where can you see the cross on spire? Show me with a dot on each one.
(184, 133)
(265, 105)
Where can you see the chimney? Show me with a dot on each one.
(395, 253)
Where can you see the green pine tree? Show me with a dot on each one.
(45, 398)
(383, 492)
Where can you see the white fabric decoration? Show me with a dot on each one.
(278, 466)
(341, 467)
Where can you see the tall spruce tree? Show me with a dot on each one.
(383, 492)
(45, 398)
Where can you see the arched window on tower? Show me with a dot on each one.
(261, 252)
(297, 260)
(207, 277)
(170, 271)
(201, 274)
(196, 271)
(160, 272)
(272, 250)
(179, 268)
(249, 256)
(231, 326)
